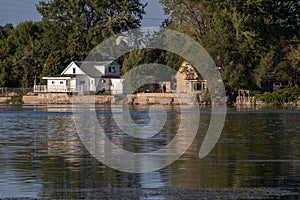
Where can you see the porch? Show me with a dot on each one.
(56, 88)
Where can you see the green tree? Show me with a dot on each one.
(68, 31)
(190, 17)
(20, 60)
(88, 22)
(57, 62)
(293, 58)
(5, 30)
(289, 67)
(245, 38)
(4, 64)
(263, 70)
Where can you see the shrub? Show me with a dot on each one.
(17, 99)
(279, 97)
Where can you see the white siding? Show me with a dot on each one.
(70, 70)
(109, 70)
(56, 82)
(56, 85)
(73, 84)
(92, 85)
(68, 82)
(83, 83)
(117, 86)
(101, 69)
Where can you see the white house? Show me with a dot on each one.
(86, 77)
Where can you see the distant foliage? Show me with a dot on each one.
(17, 99)
(69, 30)
(279, 97)
(57, 61)
(248, 39)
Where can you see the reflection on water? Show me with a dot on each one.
(42, 155)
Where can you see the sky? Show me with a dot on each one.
(16, 11)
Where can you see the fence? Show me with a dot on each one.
(22, 91)
(55, 88)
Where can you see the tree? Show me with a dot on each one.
(5, 30)
(68, 31)
(57, 62)
(289, 67)
(293, 58)
(262, 71)
(88, 22)
(190, 17)
(245, 38)
(20, 60)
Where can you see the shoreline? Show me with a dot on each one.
(178, 193)
(132, 99)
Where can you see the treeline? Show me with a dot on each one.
(248, 39)
(68, 31)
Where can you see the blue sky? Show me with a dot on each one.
(16, 11)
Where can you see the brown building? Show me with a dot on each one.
(188, 80)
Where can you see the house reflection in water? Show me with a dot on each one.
(62, 138)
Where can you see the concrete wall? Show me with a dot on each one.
(140, 99)
(161, 98)
(4, 99)
(63, 98)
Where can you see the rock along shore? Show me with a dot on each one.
(139, 99)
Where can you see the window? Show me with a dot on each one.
(187, 82)
(53, 82)
(61, 82)
(112, 69)
(74, 70)
(198, 86)
(277, 83)
(187, 69)
(92, 82)
(81, 82)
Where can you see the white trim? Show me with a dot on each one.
(66, 69)
(57, 78)
(77, 72)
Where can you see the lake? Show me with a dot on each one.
(257, 156)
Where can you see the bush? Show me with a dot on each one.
(279, 97)
(17, 99)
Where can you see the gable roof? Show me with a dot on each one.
(89, 67)
(187, 71)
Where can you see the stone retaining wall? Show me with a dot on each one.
(4, 99)
(63, 98)
(162, 98)
(140, 99)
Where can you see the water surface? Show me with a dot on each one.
(42, 156)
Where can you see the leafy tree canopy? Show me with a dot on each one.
(88, 22)
(247, 39)
(69, 30)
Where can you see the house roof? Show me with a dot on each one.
(59, 77)
(65, 75)
(188, 72)
(89, 68)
